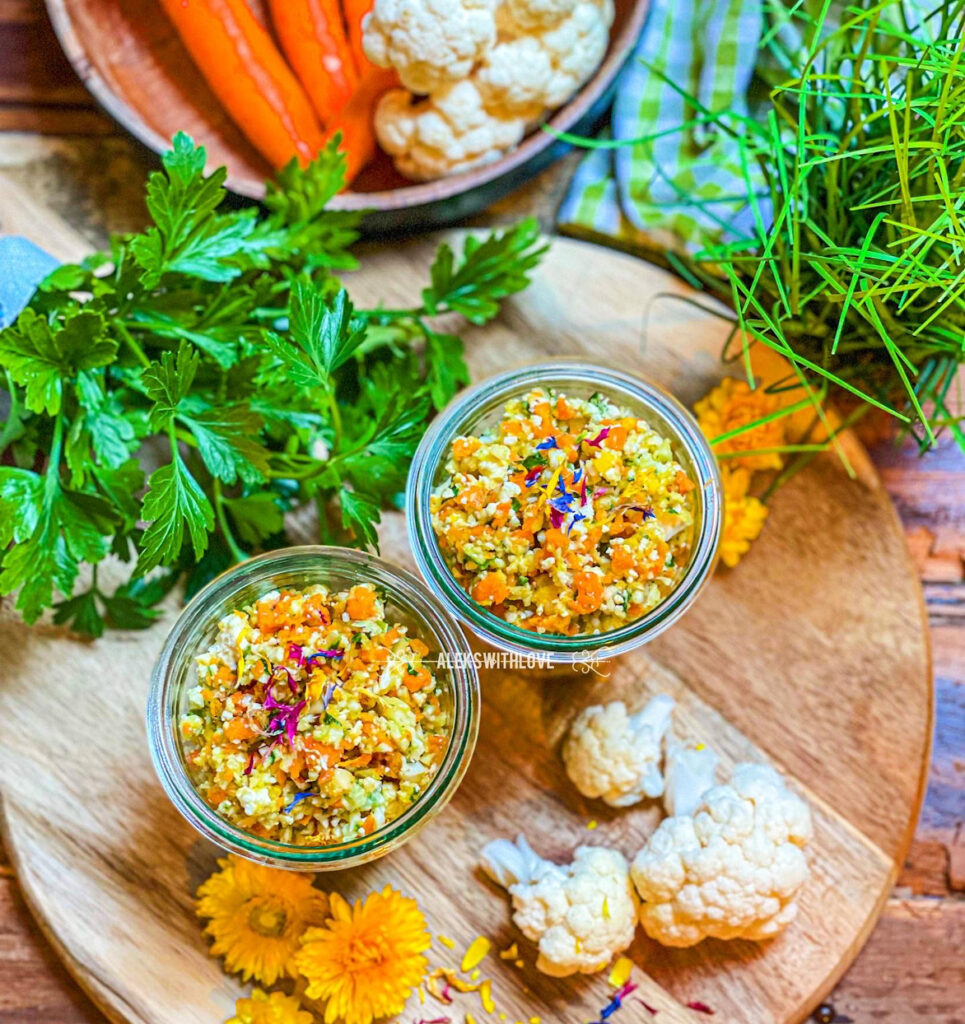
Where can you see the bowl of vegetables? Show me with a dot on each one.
(436, 122)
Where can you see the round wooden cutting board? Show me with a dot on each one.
(812, 654)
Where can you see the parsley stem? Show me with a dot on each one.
(334, 410)
(132, 344)
(236, 552)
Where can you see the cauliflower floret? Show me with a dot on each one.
(514, 77)
(514, 16)
(579, 915)
(690, 773)
(430, 43)
(611, 754)
(448, 133)
(730, 870)
(530, 70)
(576, 47)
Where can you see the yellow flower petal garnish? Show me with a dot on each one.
(367, 959)
(510, 953)
(273, 1008)
(620, 974)
(743, 516)
(446, 941)
(592, 824)
(257, 915)
(476, 953)
(486, 995)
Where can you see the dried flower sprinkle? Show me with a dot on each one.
(476, 953)
(620, 974)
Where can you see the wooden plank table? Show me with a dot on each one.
(71, 157)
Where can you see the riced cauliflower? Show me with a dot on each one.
(313, 718)
(448, 132)
(611, 754)
(430, 43)
(580, 915)
(730, 869)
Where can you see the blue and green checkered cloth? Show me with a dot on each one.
(675, 188)
(681, 186)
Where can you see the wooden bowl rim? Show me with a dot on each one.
(410, 196)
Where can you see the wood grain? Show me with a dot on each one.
(109, 867)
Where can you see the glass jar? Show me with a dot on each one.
(407, 601)
(481, 407)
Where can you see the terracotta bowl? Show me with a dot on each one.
(130, 58)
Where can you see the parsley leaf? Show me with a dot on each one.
(323, 335)
(173, 501)
(228, 442)
(40, 356)
(490, 270)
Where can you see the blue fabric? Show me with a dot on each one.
(22, 267)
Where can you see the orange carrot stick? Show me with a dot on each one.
(314, 41)
(355, 11)
(245, 70)
(355, 120)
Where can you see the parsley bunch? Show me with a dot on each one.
(220, 347)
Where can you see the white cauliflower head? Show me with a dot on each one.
(580, 915)
(611, 754)
(430, 43)
(730, 870)
(515, 16)
(515, 76)
(450, 132)
(570, 49)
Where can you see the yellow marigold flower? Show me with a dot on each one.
(367, 959)
(274, 1008)
(744, 515)
(257, 916)
(734, 404)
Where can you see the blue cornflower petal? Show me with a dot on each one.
(298, 799)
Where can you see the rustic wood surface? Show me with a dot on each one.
(72, 158)
(745, 681)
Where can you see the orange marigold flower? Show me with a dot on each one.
(744, 515)
(734, 404)
(366, 960)
(274, 1008)
(257, 915)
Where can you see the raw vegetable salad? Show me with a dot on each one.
(314, 720)
(569, 516)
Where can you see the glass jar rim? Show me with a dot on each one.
(408, 592)
(559, 647)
